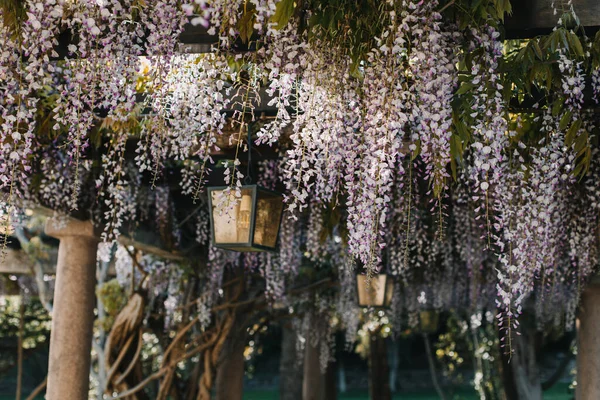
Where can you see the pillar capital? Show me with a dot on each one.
(72, 227)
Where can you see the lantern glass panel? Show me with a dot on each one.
(232, 217)
(379, 292)
(269, 207)
(247, 222)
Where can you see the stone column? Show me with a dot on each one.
(588, 346)
(73, 312)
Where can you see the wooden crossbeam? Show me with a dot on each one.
(16, 262)
(532, 18)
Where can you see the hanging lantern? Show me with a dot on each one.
(247, 223)
(378, 293)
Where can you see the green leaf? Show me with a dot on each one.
(475, 5)
(96, 138)
(548, 78)
(587, 159)
(417, 151)
(458, 146)
(245, 26)
(557, 106)
(465, 87)
(536, 48)
(581, 143)
(576, 44)
(564, 121)
(578, 169)
(572, 132)
(283, 13)
(500, 9)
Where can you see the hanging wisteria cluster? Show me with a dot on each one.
(413, 151)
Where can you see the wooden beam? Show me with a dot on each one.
(532, 18)
(16, 262)
(150, 249)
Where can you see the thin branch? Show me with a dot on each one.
(20, 351)
(311, 286)
(431, 363)
(38, 390)
(236, 305)
(138, 266)
(180, 335)
(142, 384)
(441, 10)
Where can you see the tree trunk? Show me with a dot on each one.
(98, 344)
(313, 384)
(432, 369)
(525, 368)
(230, 368)
(508, 377)
(20, 350)
(588, 354)
(331, 381)
(393, 361)
(379, 374)
(342, 377)
(290, 368)
(192, 390)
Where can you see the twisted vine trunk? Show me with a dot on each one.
(230, 370)
(226, 322)
(211, 358)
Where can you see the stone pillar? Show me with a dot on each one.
(588, 346)
(73, 312)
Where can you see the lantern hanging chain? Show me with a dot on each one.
(248, 178)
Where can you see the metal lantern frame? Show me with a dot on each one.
(249, 245)
(388, 290)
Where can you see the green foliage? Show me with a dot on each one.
(245, 25)
(12, 13)
(284, 11)
(37, 321)
(469, 13)
(113, 298)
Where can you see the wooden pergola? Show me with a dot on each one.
(74, 298)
